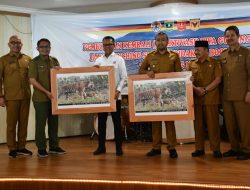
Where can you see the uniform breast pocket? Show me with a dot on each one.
(209, 73)
(24, 71)
(11, 68)
(241, 61)
(154, 66)
(171, 65)
(41, 69)
(194, 69)
(194, 72)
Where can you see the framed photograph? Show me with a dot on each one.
(167, 97)
(83, 90)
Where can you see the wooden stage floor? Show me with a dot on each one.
(79, 169)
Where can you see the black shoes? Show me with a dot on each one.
(198, 153)
(57, 150)
(238, 155)
(12, 154)
(217, 154)
(15, 153)
(230, 153)
(243, 156)
(173, 153)
(153, 152)
(42, 153)
(23, 152)
(99, 151)
(119, 152)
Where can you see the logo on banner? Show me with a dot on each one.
(195, 24)
(169, 25)
(181, 25)
(156, 26)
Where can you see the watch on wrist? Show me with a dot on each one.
(205, 90)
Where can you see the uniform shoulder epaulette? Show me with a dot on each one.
(225, 50)
(170, 51)
(193, 60)
(36, 58)
(26, 55)
(4, 56)
(245, 49)
(215, 60)
(53, 58)
(152, 52)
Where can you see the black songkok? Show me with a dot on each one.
(201, 44)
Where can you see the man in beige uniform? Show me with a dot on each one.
(161, 61)
(206, 74)
(236, 94)
(15, 95)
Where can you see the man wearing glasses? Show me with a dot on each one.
(111, 59)
(15, 96)
(39, 74)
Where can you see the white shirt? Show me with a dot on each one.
(120, 69)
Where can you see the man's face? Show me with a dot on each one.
(231, 37)
(161, 42)
(108, 46)
(44, 48)
(201, 52)
(15, 44)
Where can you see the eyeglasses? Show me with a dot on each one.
(105, 45)
(15, 43)
(44, 47)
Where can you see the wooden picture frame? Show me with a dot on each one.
(167, 97)
(83, 90)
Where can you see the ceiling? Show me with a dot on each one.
(88, 6)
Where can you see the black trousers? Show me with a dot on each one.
(102, 125)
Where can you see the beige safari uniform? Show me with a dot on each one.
(169, 62)
(206, 107)
(15, 88)
(236, 73)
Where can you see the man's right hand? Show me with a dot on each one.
(50, 96)
(151, 74)
(2, 102)
(199, 91)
